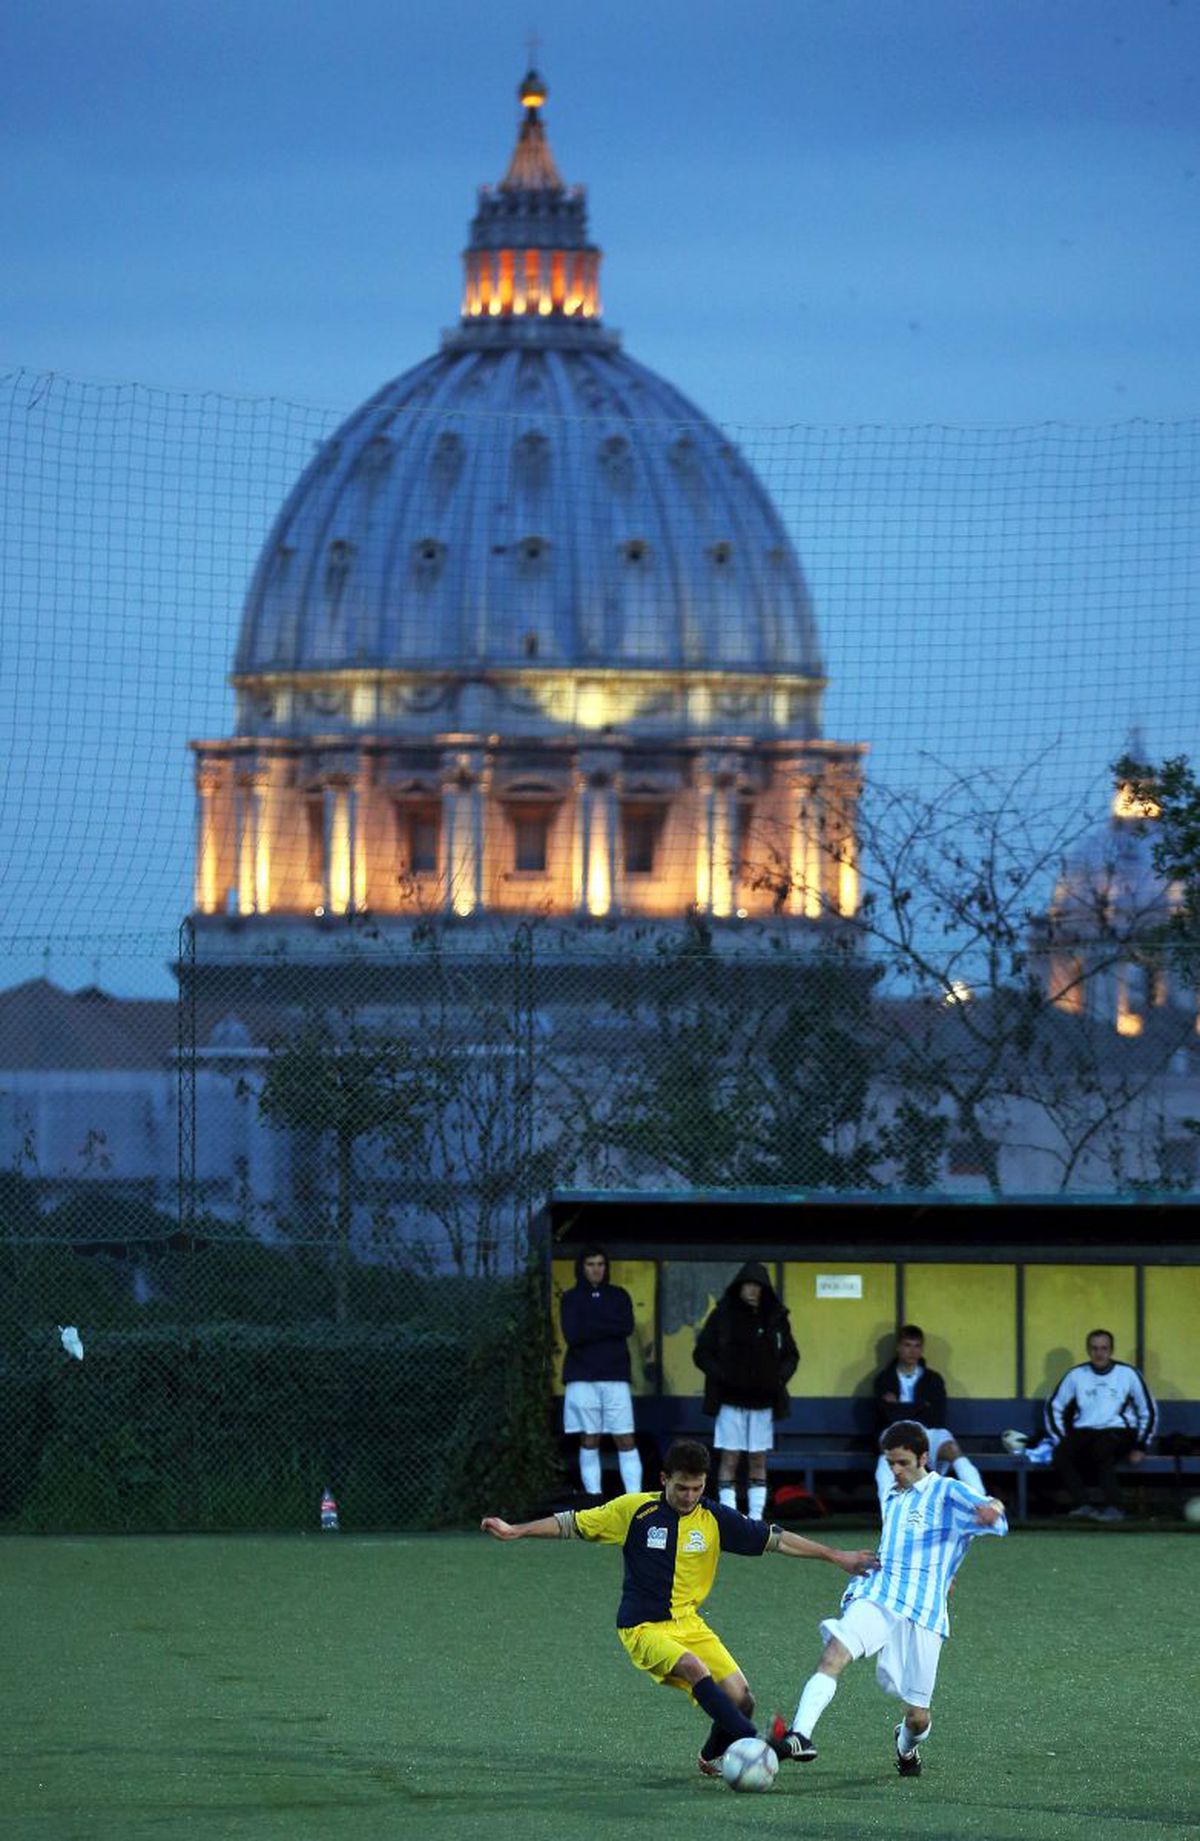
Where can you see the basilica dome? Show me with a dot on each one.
(528, 636)
(529, 501)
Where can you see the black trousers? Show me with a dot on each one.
(1082, 1454)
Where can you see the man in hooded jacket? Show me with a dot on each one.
(747, 1355)
(597, 1322)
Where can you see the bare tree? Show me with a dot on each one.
(996, 934)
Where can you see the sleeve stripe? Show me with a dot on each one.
(1147, 1411)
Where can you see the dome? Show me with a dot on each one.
(527, 637)
(529, 500)
(1110, 879)
(494, 505)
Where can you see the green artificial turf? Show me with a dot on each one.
(452, 1687)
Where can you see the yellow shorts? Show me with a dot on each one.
(656, 1648)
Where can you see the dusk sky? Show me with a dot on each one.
(817, 218)
(812, 210)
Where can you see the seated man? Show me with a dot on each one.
(1101, 1413)
(907, 1389)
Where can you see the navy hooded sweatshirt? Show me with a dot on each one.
(597, 1322)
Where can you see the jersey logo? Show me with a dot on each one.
(695, 1542)
(657, 1538)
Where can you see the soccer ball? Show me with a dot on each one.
(1191, 1512)
(1014, 1442)
(749, 1764)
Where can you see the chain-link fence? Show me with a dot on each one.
(279, 1167)
(299, 1252)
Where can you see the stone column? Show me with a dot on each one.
(716, 869)
(462, 803)
(596, 891)
(340, 893)
(260, 794)
(805, 825)
(251, 792)
(207, 892)
(842, 841)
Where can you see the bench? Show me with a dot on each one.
(831, 1437)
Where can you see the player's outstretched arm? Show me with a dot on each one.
(546, 1529)
(856, 1562)
(990, 1512)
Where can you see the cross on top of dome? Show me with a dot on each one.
(532, 167)
(530, 258)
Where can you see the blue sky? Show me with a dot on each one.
(818, 215)
(812, 210)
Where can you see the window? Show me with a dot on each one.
(531, 833)
(641, 828)
(419, 833)
(743, 843)
(315, 810)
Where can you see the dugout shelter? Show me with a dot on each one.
(1006, 1291)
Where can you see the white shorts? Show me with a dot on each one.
(744, 1428)
(937, 1436)
(597, 1406)
(908, 1653)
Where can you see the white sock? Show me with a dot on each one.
(729, 1495)
(883, 1479)
(909, 1740)
(756, 1501)
(589, 1470)
(964, 1468)
(631, 1471)
(816, 1695)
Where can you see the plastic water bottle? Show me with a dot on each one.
(329, 1513)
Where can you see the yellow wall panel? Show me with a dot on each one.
(690, 1289)
(969, 1315)
(1172, 1332)
(1062, 1303)
(639, 1277)
(843, 1342)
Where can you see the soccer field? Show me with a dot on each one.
(371, 1687)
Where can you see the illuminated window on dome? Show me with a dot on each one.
(641, 829)
(314, 807)
(531, 836)
(419, 829)
(743, 842)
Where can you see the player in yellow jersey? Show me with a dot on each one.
(672, 1540)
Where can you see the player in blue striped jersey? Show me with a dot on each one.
(899, 1612)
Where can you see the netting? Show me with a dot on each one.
(280, 1165)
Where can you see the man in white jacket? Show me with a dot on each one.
(1101, 1413)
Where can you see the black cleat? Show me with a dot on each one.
(907, 1763)
(789, 1746)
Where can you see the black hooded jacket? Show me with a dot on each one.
(597, 1322)
(747, 1354)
